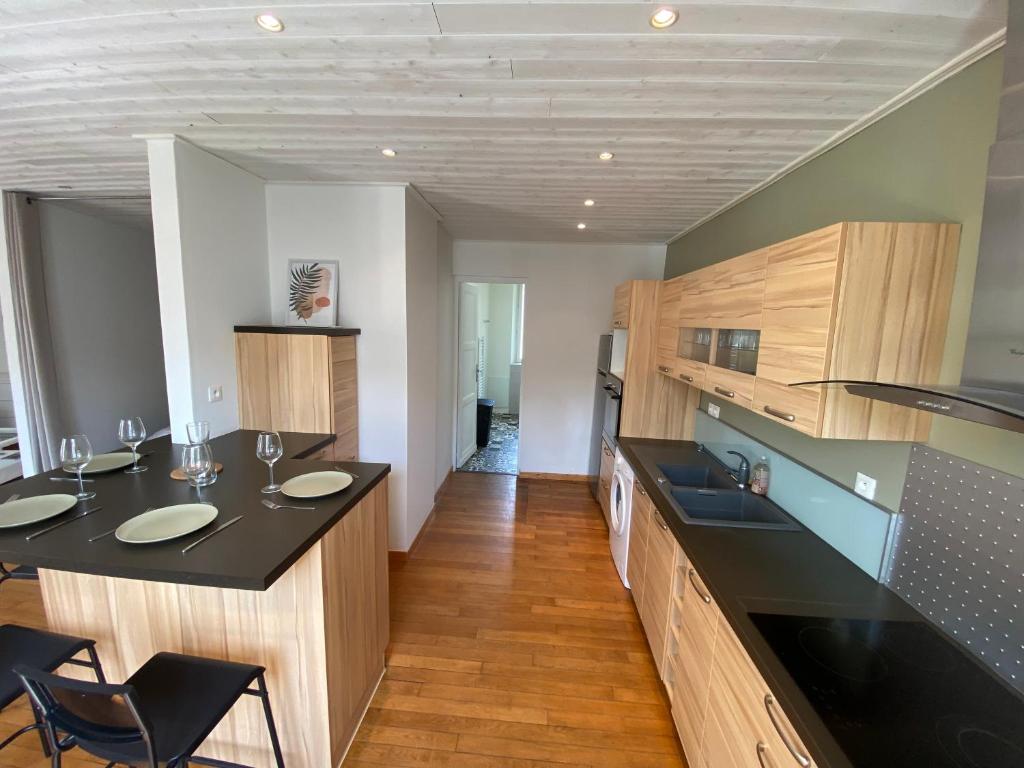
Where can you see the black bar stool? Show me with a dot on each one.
(157, 719)
(18, 573)
(43, 650)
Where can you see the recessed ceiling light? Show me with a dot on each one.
(389, 152)
(606, 156)
(269, 22)
(588, 203)
(664, 17)
(581, 225)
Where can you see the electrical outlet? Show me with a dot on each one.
(714, 411)
(215, 393)
(865, 486)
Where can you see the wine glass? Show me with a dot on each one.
(269, 450)
(75, 455)
(198, 432)
(197, 463)
(131, 431)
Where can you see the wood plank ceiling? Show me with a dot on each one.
(497, 109)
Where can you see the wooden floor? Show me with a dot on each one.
(514, 645)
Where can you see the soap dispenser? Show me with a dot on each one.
(759, 477)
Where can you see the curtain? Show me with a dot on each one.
(40, 445)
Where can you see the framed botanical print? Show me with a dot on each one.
(312, 292)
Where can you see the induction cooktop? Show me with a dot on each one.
(897, 694)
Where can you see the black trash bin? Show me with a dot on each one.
(484, 413)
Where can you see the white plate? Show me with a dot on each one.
(165, 523)
(34, 509)
(315, 484)
(106, 462)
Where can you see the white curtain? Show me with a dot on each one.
(40, 444)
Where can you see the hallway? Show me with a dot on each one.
(513, 643)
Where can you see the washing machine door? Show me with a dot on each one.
(618, 505)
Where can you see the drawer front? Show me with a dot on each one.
(733, 386)
(666, 364)
(636, 559)
(691, 372)
(747, 711)
(797, 407)
(661, 549)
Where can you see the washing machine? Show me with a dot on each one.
(621, 501)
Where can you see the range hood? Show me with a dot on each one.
(991, 389)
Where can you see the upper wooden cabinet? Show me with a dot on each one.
(299, 382)
(725, 295)
(668, 322)
(620, 310)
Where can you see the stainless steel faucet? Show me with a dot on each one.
(742, 473)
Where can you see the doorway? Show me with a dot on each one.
(490, 363)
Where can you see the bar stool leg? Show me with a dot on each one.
(94, 662)
(270, 720)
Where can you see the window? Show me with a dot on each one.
(518, 314)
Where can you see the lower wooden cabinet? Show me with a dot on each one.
(636, 558)
(604, 482)
(662, 551)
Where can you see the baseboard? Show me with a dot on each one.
(444, 485)
(555, 477)
(397, 556)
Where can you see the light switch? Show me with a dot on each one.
(714, 411)
(215, 393)
(865, 486)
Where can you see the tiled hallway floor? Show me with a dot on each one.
(501, 455)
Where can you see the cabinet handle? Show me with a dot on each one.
(726, 392)
(779, 414)
(664, 369)
(660, 520)
(686, 377)
(769, 705)
(761, 749)
(692, 575)
(618, 323)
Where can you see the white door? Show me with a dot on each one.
(469, 370)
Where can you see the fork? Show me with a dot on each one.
(353, 475)
(274, 505)
(104, 535)
(55, 526)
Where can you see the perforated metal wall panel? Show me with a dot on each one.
(958, 555)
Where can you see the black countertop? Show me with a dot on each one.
(306, 330)
(251, 554)
(788, 573)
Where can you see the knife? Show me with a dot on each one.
(62, 522)
(214, 532)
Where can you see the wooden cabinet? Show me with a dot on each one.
(668, 324)
(691, 372)
(657, 597)
(604, 481)
(620, 309)
(754, 729)
(728, 294)
(636, 557)
(299, 382)
(735, 386)
(695, 645)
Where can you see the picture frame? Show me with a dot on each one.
(312, 293)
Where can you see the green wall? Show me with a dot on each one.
(924, 162)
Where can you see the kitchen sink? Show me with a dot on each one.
(697, 476)
(730, 509)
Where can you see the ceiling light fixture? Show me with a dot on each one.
(581, 225)
(269, 22)
(389, 152)
(664, 17)
(606, 155)
(588, 203)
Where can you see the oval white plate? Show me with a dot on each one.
(106, 462)
(34, 509)
(315, 484)
(165, 523)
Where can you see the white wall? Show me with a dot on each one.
(105, 322)
(499, 343)
(569, 290)
(421, 292)
(445, 358)
(363, 228)
(210, 232)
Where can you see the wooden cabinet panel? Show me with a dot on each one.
(730, 294)
(636, 558)
(716, 751)
(746, 710)
(668, 319)
(722, 382)
(800, 293)
(666, 366)
(344, 393)
(661, 555)
(796, 407)
(620, 311)
(698, 626)
(691, 372)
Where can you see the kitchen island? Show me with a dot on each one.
(303, 593)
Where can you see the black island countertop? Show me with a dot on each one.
(251, 554)
(765, 582)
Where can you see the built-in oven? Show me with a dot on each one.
(607, 405)
(612, 389)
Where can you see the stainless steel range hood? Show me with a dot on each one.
(991, 387)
